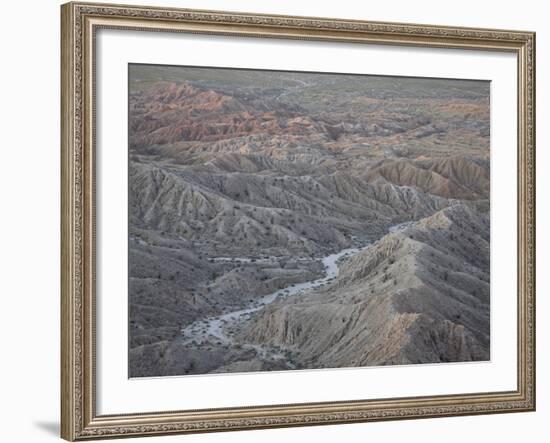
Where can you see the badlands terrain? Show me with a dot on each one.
(282, 220)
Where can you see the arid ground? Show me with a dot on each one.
(282, 220)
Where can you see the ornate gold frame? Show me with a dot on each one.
(79, 21)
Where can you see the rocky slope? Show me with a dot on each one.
(418, 295)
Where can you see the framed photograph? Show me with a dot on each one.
(282, 221)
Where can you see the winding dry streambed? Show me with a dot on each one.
(216, 329)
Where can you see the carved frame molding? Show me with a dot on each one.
(80, 21)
